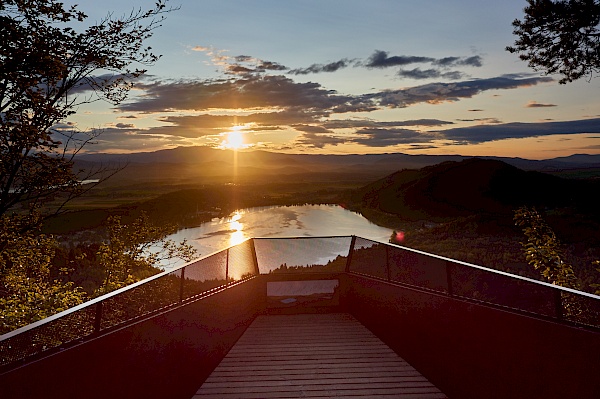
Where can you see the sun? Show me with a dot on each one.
(234, 139)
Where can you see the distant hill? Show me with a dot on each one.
(369, 164)
(473, 187)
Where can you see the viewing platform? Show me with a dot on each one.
(313, 356)
(315, 317)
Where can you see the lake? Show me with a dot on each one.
(279, 221)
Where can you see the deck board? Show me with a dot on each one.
(313, 356)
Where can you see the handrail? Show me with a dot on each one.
(111, 294)
(499, 272)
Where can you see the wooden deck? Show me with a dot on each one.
(313, 356)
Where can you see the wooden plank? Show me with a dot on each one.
(316, 356)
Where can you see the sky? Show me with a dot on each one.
(341, 77)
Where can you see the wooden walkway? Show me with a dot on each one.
(313, 356)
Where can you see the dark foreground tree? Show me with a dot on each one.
(560, 37)
(51, 63)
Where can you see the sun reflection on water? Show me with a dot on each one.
(237, 229)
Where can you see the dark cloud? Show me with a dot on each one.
(534, 104)
(243, 58)
(255, 91)
(368, 123)
(483, 133)
(238, 69)
(434, 93)
(124, 125)
(418, 73)
(317, 68)
(485, 120)
(270, 66)
(390, 137)
(380, 59)
(247, 92)
(319, 140)
(311, 129)
(474, 61)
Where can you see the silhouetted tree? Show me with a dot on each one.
(50, 63)
(560, 37)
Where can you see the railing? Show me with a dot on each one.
(461, 280)
(350, 254)
(160, 292)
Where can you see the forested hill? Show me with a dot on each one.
(473, 187)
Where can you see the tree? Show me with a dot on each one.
(132, 252)
(51, 62)
(543, 249)
(28, 292)
(560, 37)
(48, 69)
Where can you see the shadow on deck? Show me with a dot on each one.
(470, 331)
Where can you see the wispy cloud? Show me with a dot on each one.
(484, 133)
(381, 59)
(435, 93)
(418, 73)
(318, 68)
(535, 104)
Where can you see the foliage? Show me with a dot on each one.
(560, 36)
(597, 286)
(51, 62)
(45, 67)
(134, 251)
(28, 292)
(543, 249)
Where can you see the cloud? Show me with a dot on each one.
(270, 66)
(264, 91)
(319, 140)
(125, 125)
(534, 104)
(418, 73)
(380, 59)
(485, 133)
(483, 120)
(318, 68)
(474, 61)
(248, 92)
(435, 93)
(311, 129)
(369, 123)
(390, 137)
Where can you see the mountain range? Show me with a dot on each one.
(208, 163)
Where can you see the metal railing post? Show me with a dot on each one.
(98, 318)
(350, 252)
(558, 307)
(254, 258)
(449, 269)
(387, 263)
(181, 285)
(227, 267)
